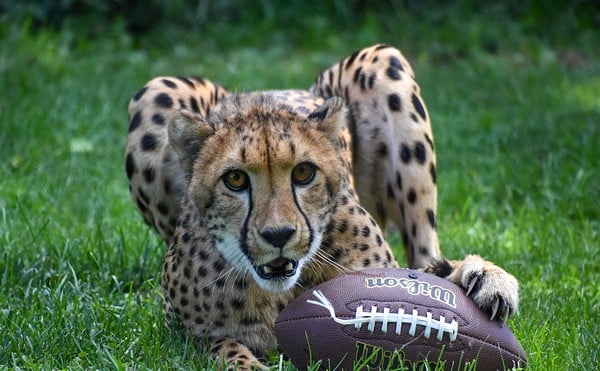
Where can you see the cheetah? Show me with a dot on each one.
(262, 195)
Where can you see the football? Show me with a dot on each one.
(393, 319)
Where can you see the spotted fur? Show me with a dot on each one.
(263, 195)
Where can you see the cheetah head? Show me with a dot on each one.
(264, 180)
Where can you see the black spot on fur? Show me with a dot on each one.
(419, 106)
(389, 190)
(135, 121)
(394, 102)
(140, 93)
(429, 140)
(382, 150)
(240, 284)
(412, 196)
(420, 153)
(202, 271)
(237, 303)
(363, 82)
(433, 173)
(393, 73)
(249, 320)
(163, 100)
(129, 165)
(194, 105)
(398, 180)
(431, 218)
(405, 153)
(148, 142)
(158, 119)
(162, 208)
(356, 75)
(351, 59)
(371, 81)
(319, 114)
(395, 63)
(148, 174)
(218, 265)
(169, 84)
(343, 227)
(186, 81)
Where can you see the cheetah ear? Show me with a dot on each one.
(330, 117)
(187, 132)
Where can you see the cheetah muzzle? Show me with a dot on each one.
(280, 267)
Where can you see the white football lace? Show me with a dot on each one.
(399, 318)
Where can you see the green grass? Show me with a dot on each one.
(516, 116)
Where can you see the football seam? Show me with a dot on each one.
(494, 345)
(308, 317)
(486, 342)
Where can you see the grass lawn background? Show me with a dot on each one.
(514, 97)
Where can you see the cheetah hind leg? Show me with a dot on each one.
(233, 355)
(493, 289)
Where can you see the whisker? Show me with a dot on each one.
(326, 257)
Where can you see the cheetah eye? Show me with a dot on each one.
(303, 173)
(236, 180)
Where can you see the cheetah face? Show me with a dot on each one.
(264, 181)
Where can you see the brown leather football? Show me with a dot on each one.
(393, 319)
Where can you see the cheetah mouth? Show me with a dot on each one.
(277, 268)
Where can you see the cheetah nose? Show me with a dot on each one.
(277, 237)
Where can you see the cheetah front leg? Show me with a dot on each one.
(393, 153)
(493, 289)
(233, 355)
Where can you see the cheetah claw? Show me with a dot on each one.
(475, 280)
(500, 309)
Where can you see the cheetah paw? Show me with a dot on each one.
(492, 288)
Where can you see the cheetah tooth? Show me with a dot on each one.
(289, 266)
